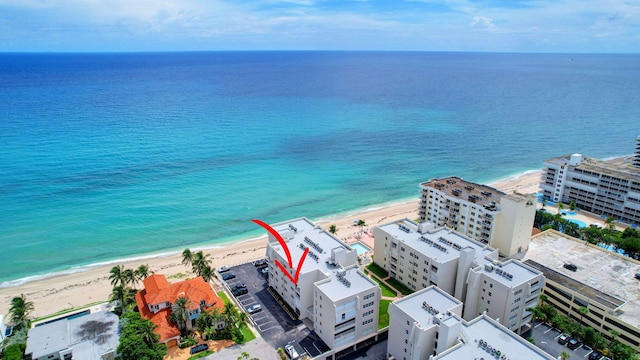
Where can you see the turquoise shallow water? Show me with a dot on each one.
(106, 156)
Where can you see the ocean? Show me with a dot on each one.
(109, 156)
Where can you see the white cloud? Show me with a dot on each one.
(481, 22)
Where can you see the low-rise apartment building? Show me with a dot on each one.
(420, 255)
(503, 221)
(606, 187)
(604, 282)
(428, 325)
(331, 291)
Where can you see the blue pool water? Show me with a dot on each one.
(580, 223)
(360, 248)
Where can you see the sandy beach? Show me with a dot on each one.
(66, 291)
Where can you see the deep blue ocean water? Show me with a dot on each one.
(106, 156)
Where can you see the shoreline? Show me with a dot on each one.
(86, 284)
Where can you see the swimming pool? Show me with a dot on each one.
(360, 248)
(581, 224)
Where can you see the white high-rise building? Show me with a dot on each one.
(331, 291)
(488, 215)
(610, 188)
(427, 325)
(419, 255)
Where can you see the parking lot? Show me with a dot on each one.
(546, 338)
(275, 326)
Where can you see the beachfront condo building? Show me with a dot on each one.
(603, 282)
(605, 187)
(636, 156)
(331, 291)
(488, 215)
(420, 255)
(428, 325)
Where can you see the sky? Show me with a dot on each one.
(565, 26)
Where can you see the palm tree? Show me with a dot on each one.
(583, 310)
(560, 208)
(333, 229)
(145, 329)
(207, 273)
(244, 356)
(20, 310)
(230, 314)
(610, 222)
(124, 296)
(201, 264)
(187, 257)
(180, 313)
(142, 272)
(116, 276)
(129, 277)
(537, 314)
(544, 202)
(564, 355)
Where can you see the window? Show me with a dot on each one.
(343, 316)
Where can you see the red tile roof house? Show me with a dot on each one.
(154, 303)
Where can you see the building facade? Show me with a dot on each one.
(331, 291)
(420, 255)
(488, 215)
(604, 283)
(610, 188)
(428, 325)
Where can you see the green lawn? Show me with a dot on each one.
(374, 268)
(386, 291)
(201, 355)
(400, 286)
(248, 334)
(383, 314)
(224, 297)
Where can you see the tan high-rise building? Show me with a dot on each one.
(503, 221)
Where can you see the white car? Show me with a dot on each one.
(291, 351)
(223, 269)
(254, 308)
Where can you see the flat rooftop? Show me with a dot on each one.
(599, 271)
(345, 283)
(621, 167)
(436, 300)
(444, 245)
(483, 329)
(301, 233)
(465, 190)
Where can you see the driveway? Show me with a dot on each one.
(546, 338)
(274, 324)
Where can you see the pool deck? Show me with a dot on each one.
(581, 215)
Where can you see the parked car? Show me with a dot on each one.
(595, 355)
(254, 308)
(291, 351)
(240, 291)
(265, 271)
(573, 344)
(199, 348)
(223, 269)
(228, 276)
(260, 263)
(638, 276)
(238, 286)
(571, 267)
(563, 339)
